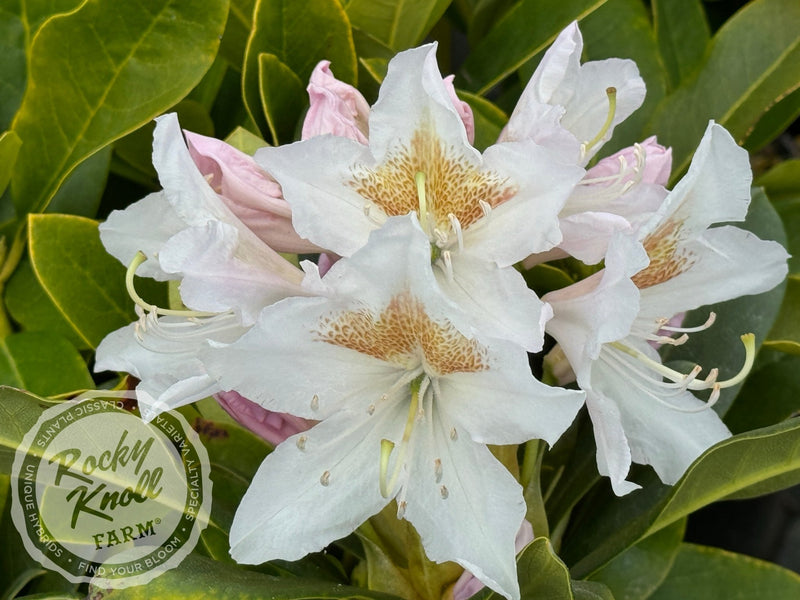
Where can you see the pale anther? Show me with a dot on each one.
(456, 226)
(325, 479)
(485, 207)
(371, 409)
(301, 442)
(448, 264)
(401, 509)
(443, 491)
(315, 402)
(453, 434)
(441, 236)
(437, 469)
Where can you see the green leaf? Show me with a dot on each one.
(399, 24)
(637, 572)
(199, 577)
(746, 465)
(778, 119)
(241, 139)
(682, 33)
(529, 27)
(703, 573)
(84, 282)
(621, 29)
(542, 574)
(237, 30)
(782, 185)
(12, 65)
(43, 363)
(82, 190)
(771, 394)
(489, 119)
(9, 149)
(299, 34)
(785, 333)
(100, 72)
(744, 74)
(19, 411)
(31, 307)
(282, 97)
(748, 314)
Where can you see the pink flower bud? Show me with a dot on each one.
(652, 158)
(252, 195)
(271, 426)
(336, 107)
(462, 108)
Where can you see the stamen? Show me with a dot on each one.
(301, 442)
(443, 491)
(401, 509)
(315, 402)
(371, 409)
(485, 207)
(448, 264)
(662, 323)
(419, 178)
(665, 339)
(454, 223)
(441, 237)
(325, 479)
(453, 434)
(387, 446)
(748, 340)
(611, 92)
(135, 264)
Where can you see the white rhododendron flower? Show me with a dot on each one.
(481, 213)
(407, 401)
(603, 323)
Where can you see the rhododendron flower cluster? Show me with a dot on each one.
(384, 370)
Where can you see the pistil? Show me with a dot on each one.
(611, 92)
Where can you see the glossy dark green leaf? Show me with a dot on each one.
(9, 149)
(12, 63)
(86, 284)
(489, 119)
(745, 72)
(542, 574)
(37, 12)
(241, 139)
(637, 572)
(683, 34)
(771, 394)
(100, 72)
(778, 119)
(622, 29)
(237, 30)
(785, 333)
(485, 14)
(399, 24)
(782, 185)
(299, 34)
(31, 307)
(19, 411)
(283, 97)
(530, 26)
(82, 190)
(43, 363)
(199, 577)
(746, 465)
(704, 573)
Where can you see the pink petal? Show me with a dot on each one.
(462, 108)
(272, 426)
(336, 107)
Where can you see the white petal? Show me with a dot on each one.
(145, 225)
(528, 222)
(283, 366)
(587, 234)
(666, 438)
(716, 188)
(315, 176)
(598, 309)
(216, 280)
(498, 300)
(164, 356)
(613, 452)
(726, 262)
(309, 493)
(506, 404)
(475, 518)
